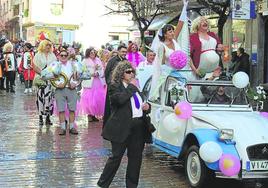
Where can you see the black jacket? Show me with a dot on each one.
(118, 126)
(110, 67)
(242, 64)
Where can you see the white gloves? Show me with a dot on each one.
(183, 16)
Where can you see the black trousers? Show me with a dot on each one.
(2, 80)
(10, 80)
(28, 84)
(134, 145)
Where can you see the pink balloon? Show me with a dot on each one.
(229, 165)
(264, 114)
(178, 59)
(184, 110)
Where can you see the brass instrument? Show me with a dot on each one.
(60, 81)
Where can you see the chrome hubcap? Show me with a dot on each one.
(193, 168)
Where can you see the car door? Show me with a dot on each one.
(156, 105)
(171, 129)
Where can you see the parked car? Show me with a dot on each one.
(231, 124)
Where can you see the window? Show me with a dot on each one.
(56, 7)
(146, 89)
(174, 92)
(146, 92)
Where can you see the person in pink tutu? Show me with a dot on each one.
(134, 56)
(93, 94)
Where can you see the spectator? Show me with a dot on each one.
(242, 62)
(112, 63)
(145, 69)
(134, 56)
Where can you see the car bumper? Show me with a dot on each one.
(245, 175)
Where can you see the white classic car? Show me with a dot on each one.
(228, 121)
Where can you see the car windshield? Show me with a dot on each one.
(216, 94)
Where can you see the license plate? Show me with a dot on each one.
(257, 165)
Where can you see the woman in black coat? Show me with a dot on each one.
(125, 128)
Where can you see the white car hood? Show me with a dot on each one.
(250, 128)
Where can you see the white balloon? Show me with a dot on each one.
(209, 61)
(210, 152)
(172, 123)
(240, 79)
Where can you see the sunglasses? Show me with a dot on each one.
(63, 55)
(129, 71)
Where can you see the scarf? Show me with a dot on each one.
(134, 60)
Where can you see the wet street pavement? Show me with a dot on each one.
(33, 157)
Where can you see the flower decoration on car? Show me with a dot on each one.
(257, 94)
(176, 90)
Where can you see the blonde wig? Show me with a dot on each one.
(196, 23)
(43, 44)
(6, 46)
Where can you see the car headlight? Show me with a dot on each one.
(226, 134)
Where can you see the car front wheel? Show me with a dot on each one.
(196, 171)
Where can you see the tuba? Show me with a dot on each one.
(73, 83)
(60, 81)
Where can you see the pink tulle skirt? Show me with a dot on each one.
(92, 100)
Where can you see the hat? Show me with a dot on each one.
(28, 45)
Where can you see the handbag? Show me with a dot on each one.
(38, 82)
(87, 83)
(148, 124)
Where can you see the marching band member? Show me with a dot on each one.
(10, 66)
(66, 94)
(27, 67)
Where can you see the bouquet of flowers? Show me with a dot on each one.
(257, 96)
(176, 92)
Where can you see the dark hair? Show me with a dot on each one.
(119, 71)
(120, 47)
(241, 50)
(87, 53)
(165, 29)
(28, 45)
(64, 50)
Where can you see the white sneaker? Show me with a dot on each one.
(30, 90)
(26, 91)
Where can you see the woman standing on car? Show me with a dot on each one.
(204, 46)
(164, 44)
(125, 127)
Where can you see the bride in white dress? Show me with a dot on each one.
(165, 43)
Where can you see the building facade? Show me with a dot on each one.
(31, 19)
